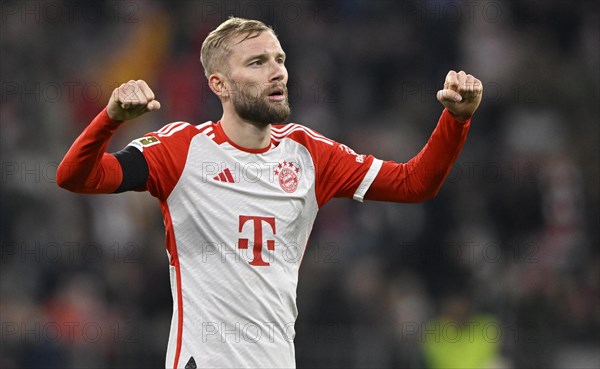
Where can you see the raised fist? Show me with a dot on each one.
(130, 100)
(461, 94)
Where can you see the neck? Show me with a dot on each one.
(244, 133)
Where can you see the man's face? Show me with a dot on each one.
(257, 79)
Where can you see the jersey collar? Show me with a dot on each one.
(221, 137)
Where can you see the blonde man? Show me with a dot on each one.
(239, 196)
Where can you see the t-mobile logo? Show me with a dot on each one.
(258, 237)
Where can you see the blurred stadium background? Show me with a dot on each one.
(501, 270)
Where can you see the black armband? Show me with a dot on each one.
(134, 167)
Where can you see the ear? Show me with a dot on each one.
(216, 82)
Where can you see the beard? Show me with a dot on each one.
(256, 107)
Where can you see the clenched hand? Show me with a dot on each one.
(461, 94)
(130, 100)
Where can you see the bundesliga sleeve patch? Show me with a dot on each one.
(140, 143)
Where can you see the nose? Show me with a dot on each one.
(278, 72)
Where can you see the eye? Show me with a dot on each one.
(257, 62)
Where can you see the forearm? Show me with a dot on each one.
(87, 168)
(422, 177)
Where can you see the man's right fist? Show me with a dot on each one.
(130, 100)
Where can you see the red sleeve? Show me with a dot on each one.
(339, 171)
(87, 168)
(422, 177)
(342, 173)
(166, 153)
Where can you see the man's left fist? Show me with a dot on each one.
(461, 94)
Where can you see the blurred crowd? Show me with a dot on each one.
(500, 270)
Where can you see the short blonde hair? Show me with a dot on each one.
(215, 48)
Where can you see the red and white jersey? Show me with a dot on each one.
(237, 220)
(237, 224)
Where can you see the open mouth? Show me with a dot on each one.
(277, 94)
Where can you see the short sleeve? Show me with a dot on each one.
(341, 172)
(166, 153)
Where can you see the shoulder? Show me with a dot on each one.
(316, 143)
(183, 129)
(175, 133)
(300, 134)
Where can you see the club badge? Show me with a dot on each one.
(288, 175)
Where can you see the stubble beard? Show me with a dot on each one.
(258, 109)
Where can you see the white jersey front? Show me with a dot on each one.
(237, 224)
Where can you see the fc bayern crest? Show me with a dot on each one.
(288, 174)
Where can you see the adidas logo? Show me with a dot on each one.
(224, 176)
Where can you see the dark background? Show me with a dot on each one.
(503, 264)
